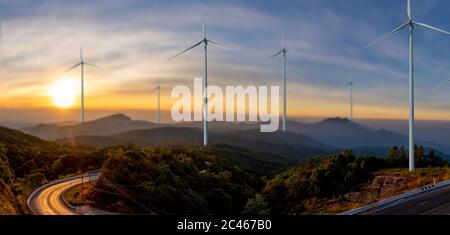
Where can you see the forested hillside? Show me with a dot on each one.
(27, 162)
(194, 180)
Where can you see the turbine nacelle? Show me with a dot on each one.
(81, 63)
(204, 41)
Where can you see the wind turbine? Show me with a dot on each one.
(205, 41)
(411, 24)
(81, 64)
(283, 52)
(350, 83)
(158, 89)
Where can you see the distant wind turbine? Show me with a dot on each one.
(205, 41)
(82, 63)
(350, 83)
(283, 52)
(158, 89)
(411, 24)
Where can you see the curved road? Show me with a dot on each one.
(430, 200)
(47, 200)
(434, 202)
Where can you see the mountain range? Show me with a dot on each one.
(110, 125)
(290, 145)
(302, 140)
(343, 133)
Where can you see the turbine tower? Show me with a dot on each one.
(411, 24)
(283, 52)
(205, 41)
(158, 89)
(350, 83)
(81, 64)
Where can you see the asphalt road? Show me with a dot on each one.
(47, 200)
(435, 202)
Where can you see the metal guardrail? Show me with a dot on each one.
(38, 190)
(396, 199)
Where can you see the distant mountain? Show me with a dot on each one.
(110, 125)
(344, 133)
(162, 136)
(285, 144)
(292, 145)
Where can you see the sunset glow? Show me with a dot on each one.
(63, 93)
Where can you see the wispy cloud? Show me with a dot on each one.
(132, 41)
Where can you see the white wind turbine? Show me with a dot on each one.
(350, 84)
(283, 52)
(158, 89)
(82, 63)
(205, 41)
(411, 24)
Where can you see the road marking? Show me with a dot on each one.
(423, 203)
(435, 209)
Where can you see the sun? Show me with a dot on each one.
(63, 93)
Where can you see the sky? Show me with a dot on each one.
(132, 40)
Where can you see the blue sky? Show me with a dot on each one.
(133, 39)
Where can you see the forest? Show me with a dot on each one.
(220, 179)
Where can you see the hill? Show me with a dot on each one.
(292, 145)
(27, 162)
(324, 186)
(343, 133)
(110, 125)
(222, 180)
(181, 180)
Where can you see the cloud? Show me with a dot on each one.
(132, 41)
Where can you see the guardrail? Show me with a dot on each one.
(38, 190)
(396, 199)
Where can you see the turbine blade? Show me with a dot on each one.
(440, 85)
(67, 70)
(186, 50)
(93, 65)
(81, 53)
(409, 9)
(204, 27)
(220, 44)
(387, 35)
(276, 54)
(431, 27)
(294, 52)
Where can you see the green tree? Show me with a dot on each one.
(347, 152)
(256, 206)
(394, 152)
(5, 170)
(36, 178)
(403, 153)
